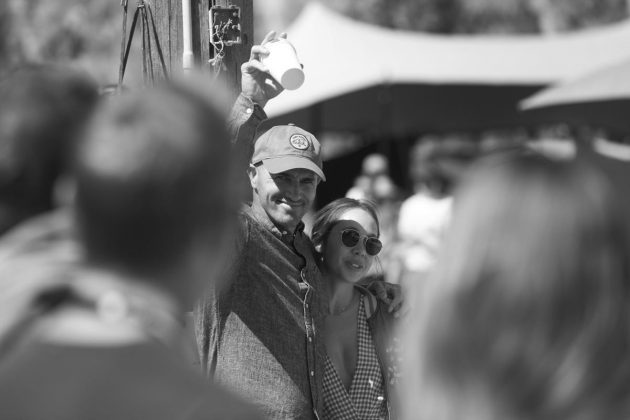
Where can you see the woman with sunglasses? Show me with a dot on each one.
(360, 369)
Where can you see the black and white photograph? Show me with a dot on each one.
(315, 209)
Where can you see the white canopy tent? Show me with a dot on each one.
(342, 56)
(600, 98)
(605, 84)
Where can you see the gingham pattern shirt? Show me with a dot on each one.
(366, 398)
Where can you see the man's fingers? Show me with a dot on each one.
(396, 297)
(253, 66)
(274, 84)
(394, 307)
(381, 292)
(396, 300)
(271, 35)
(257, 52)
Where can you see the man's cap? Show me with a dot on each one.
(286, 147)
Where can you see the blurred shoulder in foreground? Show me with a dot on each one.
(152, 210)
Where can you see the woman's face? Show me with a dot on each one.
(349, 263)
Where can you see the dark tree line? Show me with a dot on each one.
(484, 16)
(89, 30)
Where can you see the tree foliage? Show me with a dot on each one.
(87, 32)
(484, 16)
(81, 32)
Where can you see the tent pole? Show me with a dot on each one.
(187, 56)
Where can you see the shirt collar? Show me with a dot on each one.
(262, 217)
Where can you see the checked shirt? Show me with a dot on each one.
(365, 400)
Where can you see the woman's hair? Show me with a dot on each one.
(326, 218)
(528, 313)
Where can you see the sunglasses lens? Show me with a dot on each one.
(350, 237)
(373, 246)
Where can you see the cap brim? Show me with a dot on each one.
(286, 163)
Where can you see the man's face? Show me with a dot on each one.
(285, 196)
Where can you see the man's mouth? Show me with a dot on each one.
(291, 204)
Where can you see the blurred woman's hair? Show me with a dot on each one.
(331, 213)
(528, 313)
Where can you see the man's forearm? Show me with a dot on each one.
(243, 123)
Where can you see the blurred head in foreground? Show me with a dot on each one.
(153, 186)
(528, 316)
(42, 111)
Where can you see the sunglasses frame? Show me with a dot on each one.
(368, 239)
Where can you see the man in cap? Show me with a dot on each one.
(284, 172)
(259, 332)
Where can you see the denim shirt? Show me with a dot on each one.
(259, 330)
(260, 333)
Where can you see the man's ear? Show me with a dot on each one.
(253, 175)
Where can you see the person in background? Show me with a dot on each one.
(527, 313)
(361, 369)
(424, 216)
(375, 184)
(154, 203)
(374, 181)
(42, 110)
(361, 187)
(436, 165)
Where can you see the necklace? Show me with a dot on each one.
(345, 309)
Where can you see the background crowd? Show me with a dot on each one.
(135, 283)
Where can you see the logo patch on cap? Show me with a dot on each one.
(299, 142)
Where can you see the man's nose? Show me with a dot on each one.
(293, 190)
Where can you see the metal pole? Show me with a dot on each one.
(187, 55)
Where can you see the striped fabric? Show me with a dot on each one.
(366, 397)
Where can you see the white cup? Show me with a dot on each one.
(283, 64)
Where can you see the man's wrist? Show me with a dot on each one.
(254, 101)
(245, 115)
(251, 107)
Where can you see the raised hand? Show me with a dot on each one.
(256, 82)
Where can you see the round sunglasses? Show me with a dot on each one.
(351, 237)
